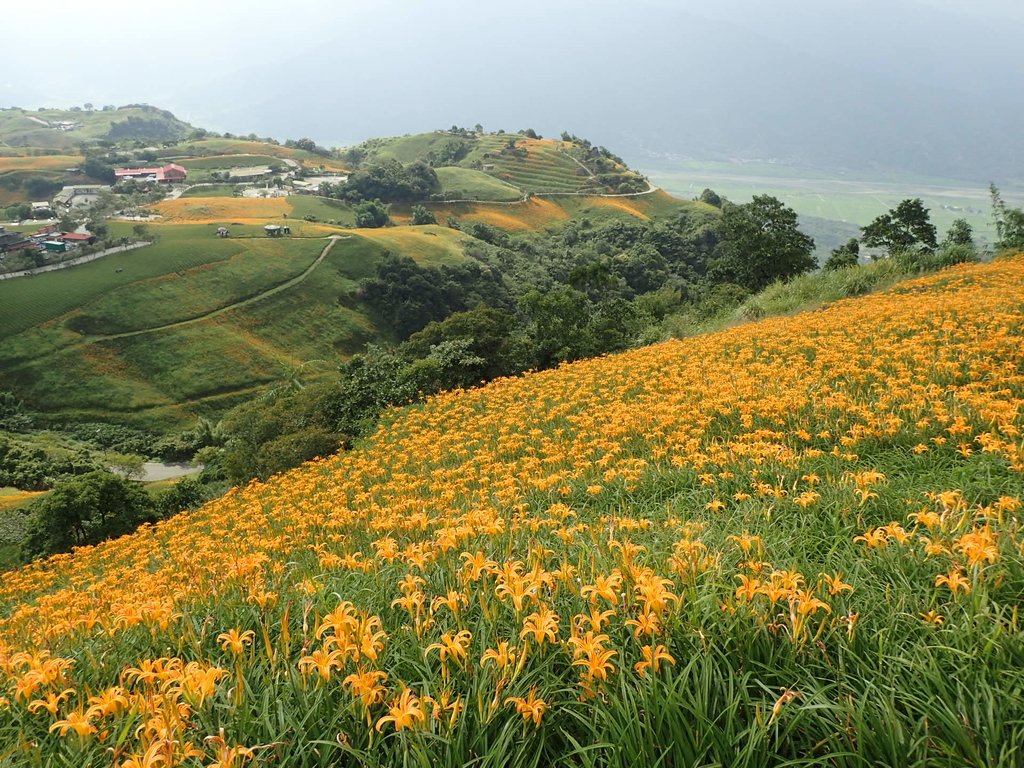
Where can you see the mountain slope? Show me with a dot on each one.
(65, 128)
(799, 536)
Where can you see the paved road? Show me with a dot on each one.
(72, 262)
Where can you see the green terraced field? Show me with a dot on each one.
(466, 183)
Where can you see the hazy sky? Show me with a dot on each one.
(650, 77)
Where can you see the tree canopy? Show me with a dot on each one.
(761, 243)
(908, 226)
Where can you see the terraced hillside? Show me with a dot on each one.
(532, 166)
(790, 542)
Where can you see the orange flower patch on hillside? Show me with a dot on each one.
(535, 213)
(16, 498)
(40, 163)
(209, 210)
(587, 542)
(628, 205)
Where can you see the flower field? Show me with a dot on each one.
(795, 542)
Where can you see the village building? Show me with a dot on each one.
(311, 185)
(166, 174)
(255, 173)
(274, 230)
(79, 195)
(13, 241)
(75, 239)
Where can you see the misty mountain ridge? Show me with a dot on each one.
(913, 88)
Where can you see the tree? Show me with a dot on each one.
(559, 324)
(843, 256)
(761, 243)
(960, 233)
(95, 168)
(908, 226)
(1009, 223)
(421, 215)
(86, 510)
(711, 197)
(391, 182)
(488, 333)
(372, 214)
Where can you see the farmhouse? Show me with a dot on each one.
(74, 239)
(79, 195)
(165, 174)
(12, 241)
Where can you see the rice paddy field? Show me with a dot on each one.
(794, 542)
(843, 199)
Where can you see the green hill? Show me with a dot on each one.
(58, 129)
(193, 324)
(158, 335)
(531, 165)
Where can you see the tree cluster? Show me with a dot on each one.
(388, 181)
(97, 506)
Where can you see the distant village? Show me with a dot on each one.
(49, 242)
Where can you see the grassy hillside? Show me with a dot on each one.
(24, 128)
(62, 350)
(528, 165)
(212, 147)
(55, 354)
(791, 542)
(465, 183)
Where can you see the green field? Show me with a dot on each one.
(536, 165)
(466, 183)
(57, 355)
(210, 190)
(323, 208)
(544, 168)
(219, 146)
(846, 198)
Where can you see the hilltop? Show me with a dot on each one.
(795, 538)
(63, 129)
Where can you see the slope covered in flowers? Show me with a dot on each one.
(796, 541)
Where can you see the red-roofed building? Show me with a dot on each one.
(78, 238)
(167, 174)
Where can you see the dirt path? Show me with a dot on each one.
(290, 283)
